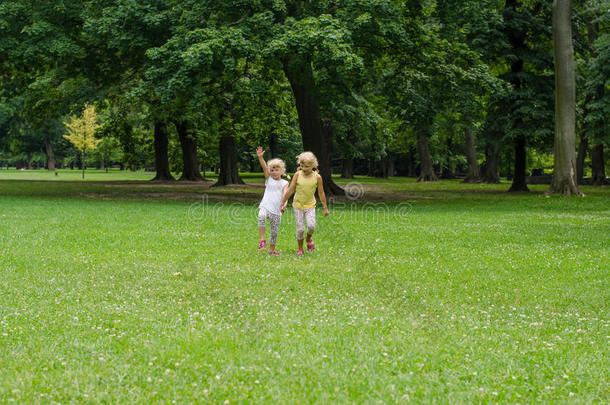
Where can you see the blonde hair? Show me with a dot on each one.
(307, 157)
(278, 163)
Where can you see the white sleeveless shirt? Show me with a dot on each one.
(272, 199)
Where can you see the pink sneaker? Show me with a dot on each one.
(274, 253)
(300, 252)
(262, 245)
(310, 245)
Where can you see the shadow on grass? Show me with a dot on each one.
(390, 191)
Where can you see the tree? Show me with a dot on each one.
(564, 173)
(596, 71)
(522, 58)
(188, 142)
(473, 31)
(81, 131)
(108, 151)
(313, 39)
(187, 73)
(41, 49)
(161, 152)
(227, 146)
(119, 34)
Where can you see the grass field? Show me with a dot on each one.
(117, 290)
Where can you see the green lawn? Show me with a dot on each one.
(76, 175)
(131, 292)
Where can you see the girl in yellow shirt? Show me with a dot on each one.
(305, 182)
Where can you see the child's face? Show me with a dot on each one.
(275, 172)
(306, 167)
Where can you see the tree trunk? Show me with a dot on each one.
(519, 169)
(447, 172)
(441, 171)
(411, 172)
(564, 173)
(347, 168)
(474, 171)
(274, 144)
(161, 153)
(492, 155)
(391, 164)
(300, 75)
(229, 173)
(516, 37)
(129, 147)
(49, 151)
(580, 158)
(83, 164)
(188, 142)
(598, 177)
(382, 172)
(372, 172)
(427, 171)
(328, 134)
(347, 162)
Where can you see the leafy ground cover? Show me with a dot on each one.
(129, 292)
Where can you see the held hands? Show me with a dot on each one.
(283, 207)
(325, 211)
(259, 151)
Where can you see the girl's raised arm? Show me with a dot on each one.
(288, 191)
(260, 152)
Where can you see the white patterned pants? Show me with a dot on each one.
(274, 223)
(300, 216)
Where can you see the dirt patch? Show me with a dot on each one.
(162, 184)
(171, 196)
(370, 192)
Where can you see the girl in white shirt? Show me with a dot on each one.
(272, 199)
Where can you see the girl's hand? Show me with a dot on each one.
(283, 207)
(325, 211)
(259, 151)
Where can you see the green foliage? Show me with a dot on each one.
(128, 135)
(525, 62)
(383, 70)
(544, 161)
(597, 73)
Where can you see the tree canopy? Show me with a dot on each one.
(430, 88)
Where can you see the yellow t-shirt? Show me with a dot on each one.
(306, 187)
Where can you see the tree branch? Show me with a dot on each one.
(240, 20)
